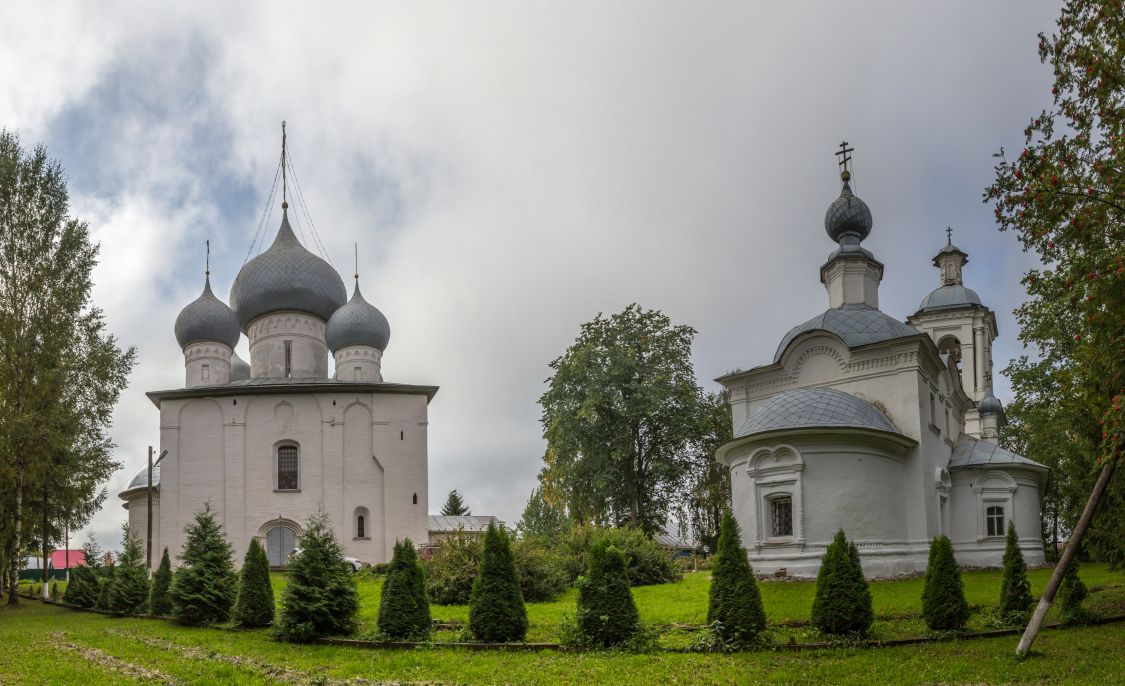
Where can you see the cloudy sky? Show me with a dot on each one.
(511, 169)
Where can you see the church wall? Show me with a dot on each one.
(400, 444)
(363, 486)
(138, 523)
(1017, 491)
(308, 353)
(195, 469)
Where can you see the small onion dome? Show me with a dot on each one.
(848, 219)
(357, 323)
(990, 404)
(286, 277)
(948, 297)
(239, 369)
(207, 319)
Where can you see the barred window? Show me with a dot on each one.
(287, 463)
(994, 520)
(781, 516)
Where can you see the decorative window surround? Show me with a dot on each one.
(993, 488)
(776, 473)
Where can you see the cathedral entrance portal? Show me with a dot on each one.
(280, 541)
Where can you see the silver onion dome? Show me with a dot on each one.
(207, 319)
(239, 369)
(848, 219)
(990, 404)
(357, 323)
(286, 277)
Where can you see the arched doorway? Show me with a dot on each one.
(280, 541)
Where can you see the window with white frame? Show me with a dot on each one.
(781, 516)
(288, 468)
(994, 520)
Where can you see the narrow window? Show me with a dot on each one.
(415, 498)
(401, 435)
(287, 464)
(288, 359)
(948, 433)
(994, 520)
(359, 527)
(781, 516)
(933, 410)
(358, 372)
(206, 372)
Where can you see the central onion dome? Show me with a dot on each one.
(206, 319)
(848, 219)
(286, 277)
(357, 323)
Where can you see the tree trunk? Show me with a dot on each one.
(1069, 552)
(14, 547)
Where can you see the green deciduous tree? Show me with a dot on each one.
(1015, 588)
(320, 598)
(843, 601)
(60, 372)
(496, 609)
(619, 416)
(129, 593)
(706, 491)
(160, 597)
(606, 614)
(255, 606)
(404, 609)
(735, 609)
(455, 505)
(943, 596)
(542, 519)
(203, 588)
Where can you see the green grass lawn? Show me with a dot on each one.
(45, 644)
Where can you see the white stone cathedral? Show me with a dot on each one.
(269, 443)
(881, 428)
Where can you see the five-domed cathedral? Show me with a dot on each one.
(881, 428)
(268, 443)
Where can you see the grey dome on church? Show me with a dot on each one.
(286, 277)
(848, 217)
(357, 323)
(814, 408)
(990, 404)
(206, 319)
(140, 481)
(954, 295)
(855, 324)
(239, 369)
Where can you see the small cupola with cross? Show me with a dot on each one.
(852, 274)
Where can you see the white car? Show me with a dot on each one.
(354, 563)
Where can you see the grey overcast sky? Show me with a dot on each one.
(510, 169)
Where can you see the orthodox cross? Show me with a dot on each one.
(284, 199)
(845, 156)
(949, 234)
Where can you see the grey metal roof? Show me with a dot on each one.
(856, 325)
(140, 481)
(466, 523)
(948, 297)
(274, 386)
(847, 215)
(239, 369)
(207, 319)
(357, 323)
(975, 452)
(286, 277)
(815, 407)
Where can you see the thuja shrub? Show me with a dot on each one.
(204, 587)
(1072, 592)
(320, 598)
(83, 589)
(943, 597)
(129, 593)
(1015, 589)
(404, 609)
(735, 609)
(496, 609)
(255, 606)
(843, 602)
(160, 597)
(105, 586)
(606, 614)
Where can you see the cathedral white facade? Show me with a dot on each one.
(269, 443)
(881, 428)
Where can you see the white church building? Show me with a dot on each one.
(881, 428)
(267, 444)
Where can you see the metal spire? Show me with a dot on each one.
(357, 265)
(207, 268)
(284, 197)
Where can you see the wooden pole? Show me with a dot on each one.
(1069, 552)
(148, 520)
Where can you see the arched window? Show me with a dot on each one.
(950, 346)
(362, 523)
(288, 468)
